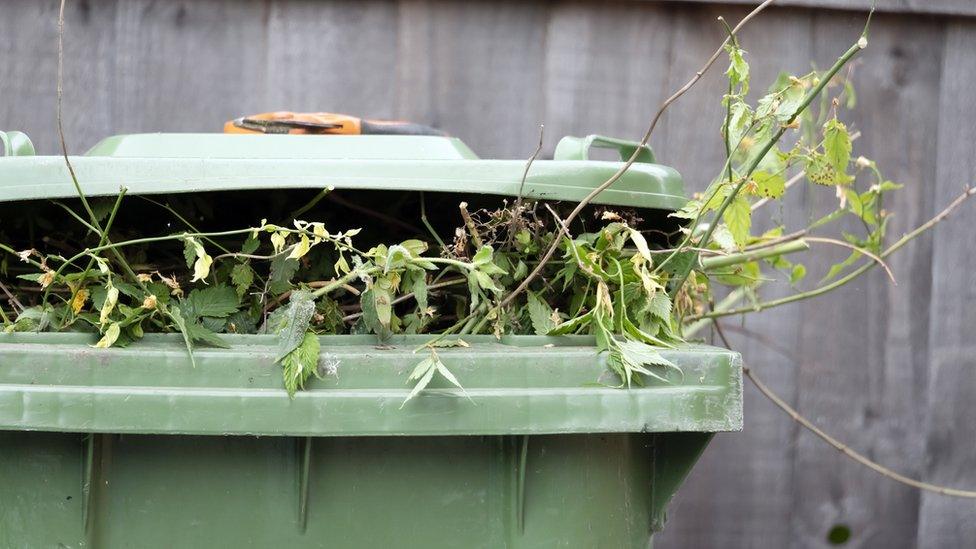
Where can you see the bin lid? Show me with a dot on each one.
(186, 163)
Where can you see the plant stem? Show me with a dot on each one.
(718, 262)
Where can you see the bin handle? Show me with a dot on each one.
(578, 148)
(16, 144)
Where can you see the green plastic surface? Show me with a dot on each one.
(57, 382)
(185, 163)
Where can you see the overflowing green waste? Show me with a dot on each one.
(140, 447)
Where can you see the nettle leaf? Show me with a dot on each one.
(294, 322)
(250, 244)
(216, 301)
(738, 217)
(302, 248)
(723, 237)
(837, 145)
(242, 276)
(282, 271)
(300, 363)
(377, 307)
(769, 185)
(540, 314)
(198, 333)
(419, 289)
(189, 252)
(424, 372)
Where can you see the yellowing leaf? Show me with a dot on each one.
(278, 241)
(769, 185)
(110, 336)
(111, 298)
(79, 299)
(201, 268)
(300, 249)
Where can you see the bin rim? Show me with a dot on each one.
(518, 385)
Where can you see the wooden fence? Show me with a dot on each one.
(889, 369)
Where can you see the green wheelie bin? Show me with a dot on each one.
(136, 447)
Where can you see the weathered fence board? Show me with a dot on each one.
(889, 369)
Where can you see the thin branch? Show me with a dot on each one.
(10, 297)
(857, 249)
(838, 445)
(633, 157)
(967, 193)
(410, 295)
(847, 451)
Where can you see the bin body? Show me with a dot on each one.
(208, 491)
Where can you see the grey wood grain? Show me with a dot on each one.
(332, 56)
(857, 377)
(886, 368)
(950, 453)
(942, 7)
(483, 65)
(187, 66)
(606, 70)
(28, 72)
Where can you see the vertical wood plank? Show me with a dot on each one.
(333, 56)
(187, 66)
(482, 66)
(606, 68)
(29, 68)
(951, 418)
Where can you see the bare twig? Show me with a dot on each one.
(10, 297)
(633, 157)
(838, 445)
(846, 450)
(857, 249)
(410, 295)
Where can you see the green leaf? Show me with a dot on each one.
(294, 322)
(216, 301)
(189, 252)
(251, 243)
(110, 336)
(425, 372)
(485, 282)
(837, 145)
(540, 313)
(572, 325)
(419, 289)
(282, 271)
(199, 333)
(797, 273)
(300, 363)
(769, 185)
(738, 217)
(242, 276)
